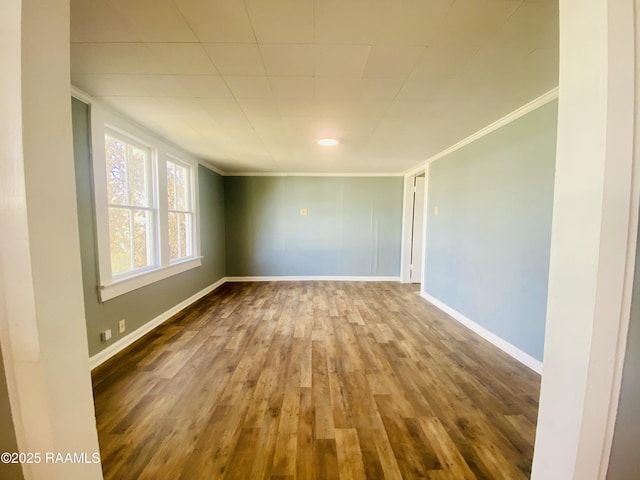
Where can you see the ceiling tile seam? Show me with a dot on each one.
(239, 105)
(88, 99)
(253, 30)
(497, 30)
(443, 19)
(126, 22)
(415, 65)
(458, 74)
(186, 21)
(242, 109)
(313, 21)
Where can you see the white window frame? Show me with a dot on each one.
(110, 286)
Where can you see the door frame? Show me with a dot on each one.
(407, 225)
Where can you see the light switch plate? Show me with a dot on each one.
(303, 212)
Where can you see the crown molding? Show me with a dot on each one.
(516, 114)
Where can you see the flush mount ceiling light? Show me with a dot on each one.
(328, 142)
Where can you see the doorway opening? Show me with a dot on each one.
(417, 230)
(413, 232)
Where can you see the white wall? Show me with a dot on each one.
(42, 326)
(592, 245)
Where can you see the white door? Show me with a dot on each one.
(416, 236)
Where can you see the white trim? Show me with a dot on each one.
(211, 166)
(104, 355)
(80, 95)
(120, 287)
(299, 278)
(516, 114)
(310, 174)
(515, 352)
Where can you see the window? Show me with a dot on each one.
(145, 205)
(132, 212)
(180, 210)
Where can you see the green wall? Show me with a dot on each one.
(488, 248)
(352, 227)
(142, 305)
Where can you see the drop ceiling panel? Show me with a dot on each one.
(348, 21)
(334, 88)
(533, 25)
(96, 21)
(473, 22)
(258, 108)
(236, 58)
(155, 20)
(412, 22)
(226, 113)
(102, 85)
(251, 85)
(380, 88)
(392, 61)
(340, 60)
(217, 20)
(292, 88)
(425, 81)
(288, 59)
(296, 107)
(182, 58)
(204, 86)
(282, 21)
(114, 58)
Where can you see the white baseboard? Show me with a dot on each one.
(515, 352)
(104, 355)
(300, 278)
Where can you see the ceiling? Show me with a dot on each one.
(250, 86)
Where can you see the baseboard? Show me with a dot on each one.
(104, 355)
(515, 352)
(301, 278)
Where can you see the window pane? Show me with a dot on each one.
(116, 163)
(120, 239)
(138, 177)
(174, 247)
(182, 191)
(183, 234)
(142, 231)
(171, 182)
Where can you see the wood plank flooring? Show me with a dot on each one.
(315, 380)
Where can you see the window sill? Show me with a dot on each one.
(125, 285)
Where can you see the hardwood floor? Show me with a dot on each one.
(306, 380)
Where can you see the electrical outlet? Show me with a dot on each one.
(105, 335)
(121, 326)
(435, 211)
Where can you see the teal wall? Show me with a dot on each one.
(353, 226)
(142, 305)
(487, 252)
